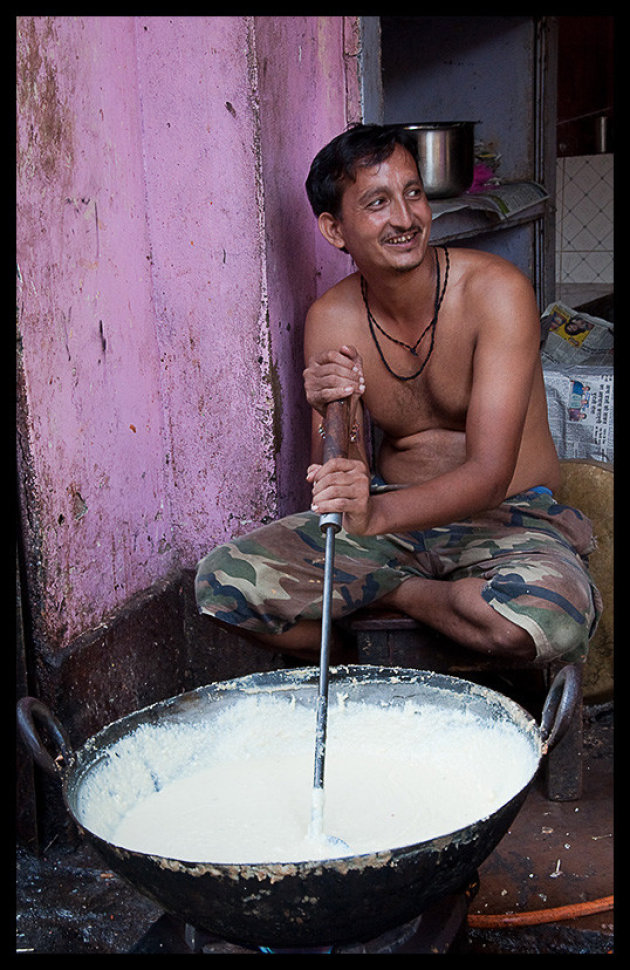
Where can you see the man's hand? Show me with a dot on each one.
(342, 485)
(333, 375)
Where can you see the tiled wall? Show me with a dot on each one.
(584, 219)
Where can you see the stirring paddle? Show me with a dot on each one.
(336, 434)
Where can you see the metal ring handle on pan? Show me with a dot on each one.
(560, 705)
(28, 710)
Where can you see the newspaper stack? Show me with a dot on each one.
(577, 358)
(502, 201)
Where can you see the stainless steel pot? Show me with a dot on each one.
(446, 150)
(312, 903)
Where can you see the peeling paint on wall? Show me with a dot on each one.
(47, 142)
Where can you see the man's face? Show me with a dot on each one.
(385, 216)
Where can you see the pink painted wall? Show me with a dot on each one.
(166, 260)
(302, 105)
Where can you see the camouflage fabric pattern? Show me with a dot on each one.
(530, 550)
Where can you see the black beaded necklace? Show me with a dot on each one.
(413, 349)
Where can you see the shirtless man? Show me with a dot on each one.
(441, 346)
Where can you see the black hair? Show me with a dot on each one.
(337, 162)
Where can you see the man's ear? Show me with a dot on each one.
(330, 229)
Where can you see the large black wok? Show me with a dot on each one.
(306, 904)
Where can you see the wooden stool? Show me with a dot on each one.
(389, 638)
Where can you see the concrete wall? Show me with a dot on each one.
(166, 259)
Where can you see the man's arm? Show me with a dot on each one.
(331, 373)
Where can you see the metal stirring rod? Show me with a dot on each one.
(336, 433)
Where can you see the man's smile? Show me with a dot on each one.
(402, 239)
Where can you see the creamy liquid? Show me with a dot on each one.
(241, 790)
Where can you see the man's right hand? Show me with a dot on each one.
(333, 375)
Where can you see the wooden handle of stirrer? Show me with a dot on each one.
(336, 429)
(336, 442)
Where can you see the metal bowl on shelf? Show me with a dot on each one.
(446, 152)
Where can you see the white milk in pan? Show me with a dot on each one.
(238, 789)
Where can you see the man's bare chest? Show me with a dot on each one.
(407, 393)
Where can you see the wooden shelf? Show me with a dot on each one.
(466, 223)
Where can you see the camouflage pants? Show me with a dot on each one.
(530, 551)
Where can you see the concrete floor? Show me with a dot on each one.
(555, 854)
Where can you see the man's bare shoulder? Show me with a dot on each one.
(482, 273)
(499, 301)
(340, 297)
(333, 319)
